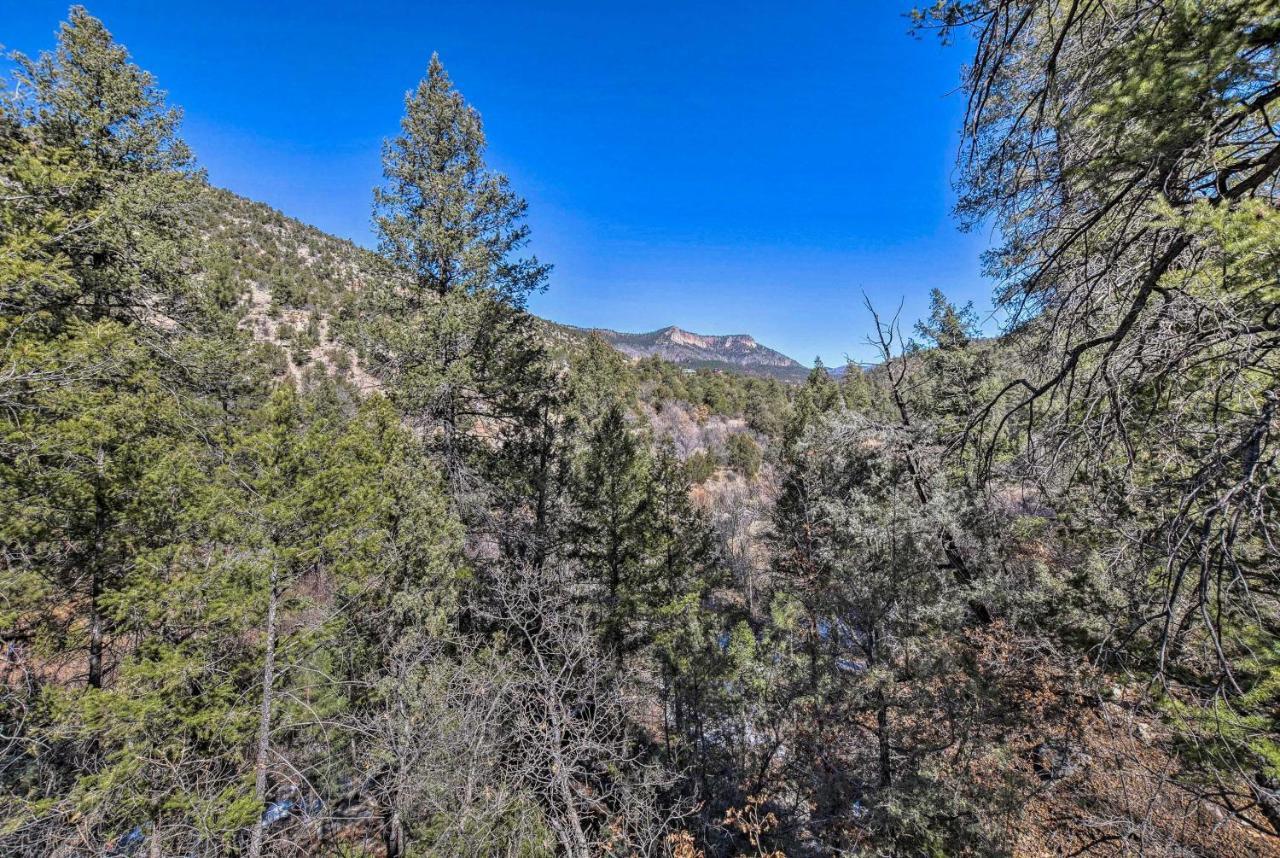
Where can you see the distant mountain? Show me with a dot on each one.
(737, 353)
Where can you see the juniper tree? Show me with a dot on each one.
(394, 548)
(887, 651)
(818, 395)
(683, 625)
(955, 369)
(858, 391)
(97, 537)
(797, 567)
(743, 453)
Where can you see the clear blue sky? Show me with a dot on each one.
(726, 167)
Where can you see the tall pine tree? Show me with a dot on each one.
(449, 334)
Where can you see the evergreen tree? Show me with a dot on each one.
(396, 548)
(683, 624)
(107, 180)
(743, 453)
(956, 369)
(105, 118)
(800, 572)
(611, 528)
(879, 603)
(449, 333)
(858, 391)
(100, 469)
(818, 395)
(246, 609)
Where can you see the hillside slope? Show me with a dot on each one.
(297, 276)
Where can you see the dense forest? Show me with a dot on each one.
(312, 550)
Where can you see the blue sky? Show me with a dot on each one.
(725, 167)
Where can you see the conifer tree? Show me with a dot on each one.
(955, 368)
(818, 395)
(109, 180)
(104, 115)
(857, 389)
(801, 572)
(395, 548)
(743, 453)
(100, 469)
(879, 602)
(683, 626)
(450, 335)
(611, 527)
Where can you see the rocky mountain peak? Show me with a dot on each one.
(729, 352)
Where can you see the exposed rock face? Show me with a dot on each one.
(730, 352)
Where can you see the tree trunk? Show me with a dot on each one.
(95, 580)
(154, 849)
(95, 631)
(613, 631)
(264, 719)
(577, 846)
(393, 835)
(882, 735)
(540, 514)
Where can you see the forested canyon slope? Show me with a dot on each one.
(312, 550)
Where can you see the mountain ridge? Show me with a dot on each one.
(740, 353)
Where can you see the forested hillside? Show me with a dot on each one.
(305, 278)
(312, 550)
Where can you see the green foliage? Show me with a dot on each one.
(483, 610)
(599, 377)
(610, 528)
(251, 246)
(818, 396)
(701, 466)
(764, 402)
(956, 369)
(743, 453)
(449, 336)
(857, 389)
(442, 216)
(123, 176)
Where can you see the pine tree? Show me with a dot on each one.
(450, 335)
(102, 114)
(114, 621)
(610, 531)
(96, 147)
